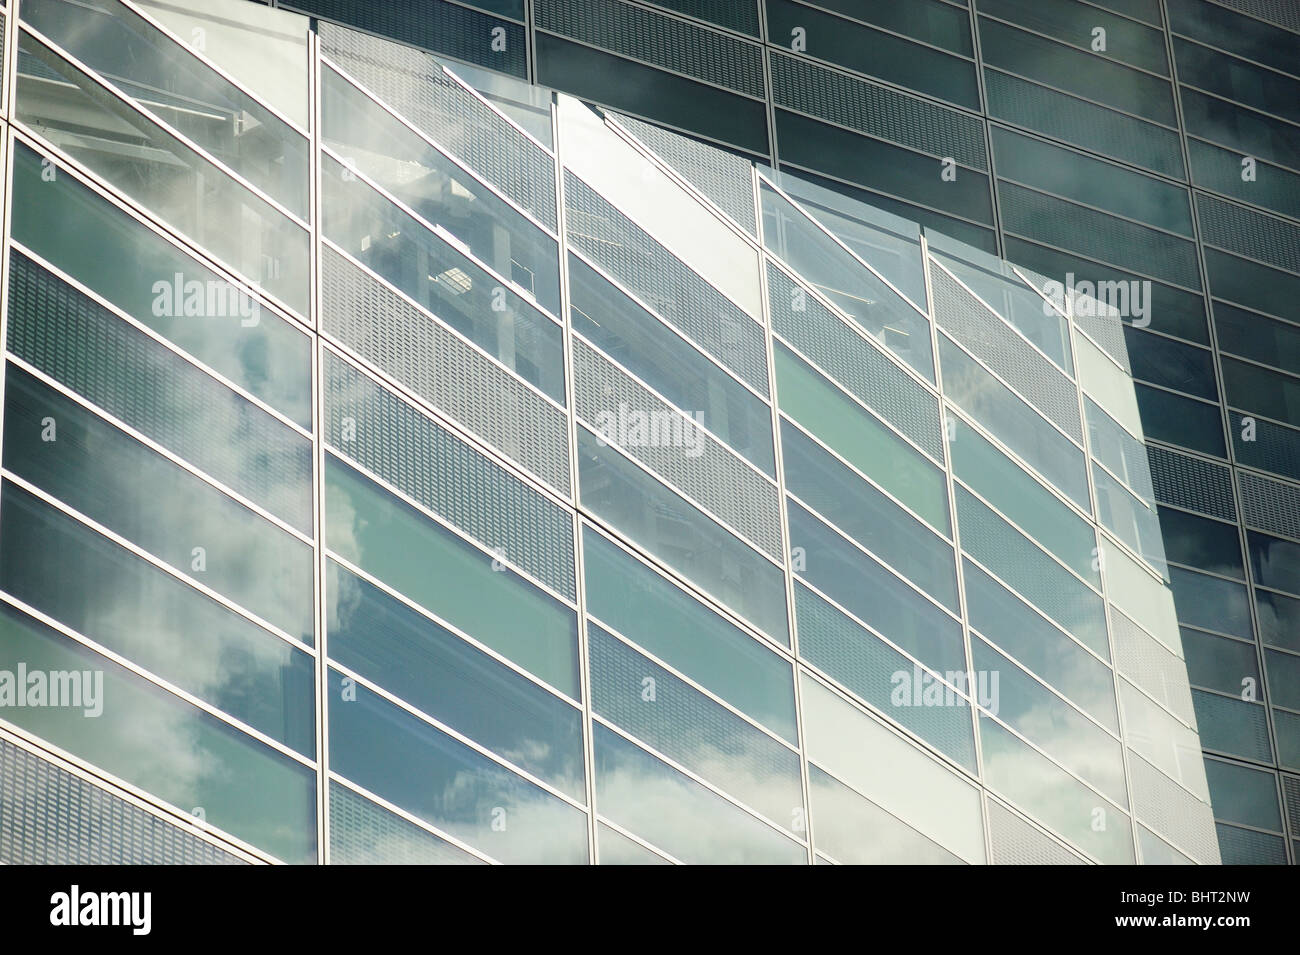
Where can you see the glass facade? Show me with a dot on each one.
(612, 431)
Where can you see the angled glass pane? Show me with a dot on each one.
(154, 282)
(1245, 795)
(164, 77)
(167, 177)
(403, 759)
(673, 811)
(789, 233)
(1201, 542)
(669, 715)
(668, 363)
(614, 848)
(1219, 663)
(1275, 561)
(419, 558)
(136, 492)
(187, 758)
(678, 629)
(403, 163)
(1210, 602)
(435, 670)
(857, 436)
(1129, 519)
(364, 833)
(842, 816)
(681, 535)
(126, 604)
(859, 509)
(1279, 619)
(432, 270)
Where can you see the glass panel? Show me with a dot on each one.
(1162, 361)
(1009, 623)
(188, 758)
(891, 682)
(917, 789)
(1211, 603)
(417, 174)
(1131, 520)
(1074, 23)
(1164, 741)
(1013, 421)
(156, 169)
(364, 833)
(136, 492)
(440, 277)
(860, 439)
(1042, 718)
(614, 848)
(398, 545)
(1230, 666)
(873, 594)
(841, 817)
(1201, 542)
(1269, 393)
(526, 104)
(669, 715)
(1279, 619)
(1044, 789)
(1122, 454)
(1003, 483)
(1252, 284)
(129, 606)
(675, 812)
(789, 233)
(926, 20)
(161, 75)
(1256, 337)
(1233, 79)
(433, 669)
(681, 535)
(1181, 421)
(682, 632)
(431, 775)
(1283, 678)
(1287, 728)
(1247, 37)
(154, 282)
(668, 363)
(868, 516)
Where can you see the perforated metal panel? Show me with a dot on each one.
(48, 816)
(1248, 232)
(362, 833)
(878, 110)
(724, 178)
(665, 283)
(856, 363)
(1270, 505)
(1284, 13)
(1082, 123)
(432, 466)
(1245, 847)
(1276, 448)
(1232, 726)
(741, 15)
(1192, 483)
(1170, 810)
(1146, 661)
(422, 354)
(992, 340)
(418, 88)
(1291, 789)
(665, 41)
(1098, 235)
(716, 478)
(119, 368)
(865, 665)
(432, 25)
(1016, 841)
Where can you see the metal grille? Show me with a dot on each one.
(1189, 482)
(1219, 169)
(1082, 123)
(1016, 841)
(362, 833)
(716, 479)
(417, 87)
(1248, 232)
(878, 110)
(119, 368)
(1097, 235)
(432, 25)
(1170, 810)
(1275, 448)
(865, 665)
(1291, 789)
(418, 351)
(437, 469)
(664, 283)
(1284, 13)
(724, 178)
(856, 363)
(1143, 659)
(989, 338)
(1270, 505)
(1232, 726)
(1244, 847)
(674, 44)
(48, 816)
(741, 15)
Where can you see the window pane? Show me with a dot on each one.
(433, 669)
(1201, 542)
(1211, 603)
(841, 817)
(393, 754)
(1219, 663)
(1245, 795)
(1279, 619)
(414, 555)
(666, 621)
(417, 174)
(1275, 562)
(364, 833)
(1256, 337)
(1181, 421)
(1074, 23)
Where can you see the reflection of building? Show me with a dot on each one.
(369, 578)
